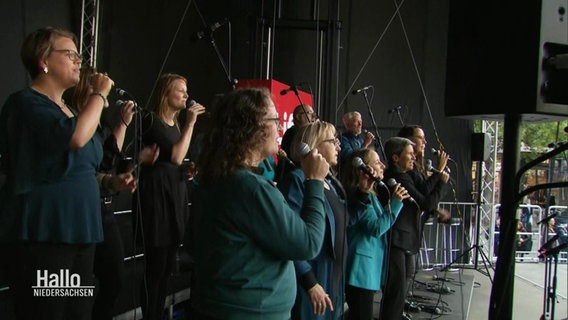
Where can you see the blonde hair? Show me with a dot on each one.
(311, 135)
(165, 86)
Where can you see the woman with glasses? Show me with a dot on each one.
(50, 216)
(160, 207)
(320, 290)
(245, 235)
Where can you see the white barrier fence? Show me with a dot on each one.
(457, 243)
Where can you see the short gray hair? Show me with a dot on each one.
(396, 145)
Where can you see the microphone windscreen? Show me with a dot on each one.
(190, 103)
(120, 92)
(303, 149)
(119, 103)
(391, 182)
(357, 162)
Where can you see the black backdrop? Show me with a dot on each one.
(402, 56)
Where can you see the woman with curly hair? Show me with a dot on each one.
(245, 235)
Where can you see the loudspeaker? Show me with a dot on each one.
(480, 146)
(507, 57)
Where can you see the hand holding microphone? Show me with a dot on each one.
(193, 109)
(445, 176)
(366, 185)
(368, 139)
(313, 163)
(127, 110)
(398, 191)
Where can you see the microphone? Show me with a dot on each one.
(359, 164)
(190, 103)
(356, 91)
(392, 183)
(546, 219)
(304, 149)
(395, 109)
(292, 88)
(430, 167)
(119, 103)
(208, 30)
(436, 152)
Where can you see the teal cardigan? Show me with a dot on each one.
(245, 237)
(367, 239)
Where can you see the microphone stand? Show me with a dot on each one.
(297, 94)
(232, 82)
(377, 135)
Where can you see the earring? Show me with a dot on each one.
(45, 70)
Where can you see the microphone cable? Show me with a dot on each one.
(170, 50)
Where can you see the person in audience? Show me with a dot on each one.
(109, 254)
(50, 217)
(353, 137)
(245, 235)
(161, 205)
(368, 224)
(320, 280)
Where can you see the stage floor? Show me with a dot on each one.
(446, 294)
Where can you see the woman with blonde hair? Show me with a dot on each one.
(160, 206)
(320, 290)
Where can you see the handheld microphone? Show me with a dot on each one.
(208, 30)
(395, 109)
(436, 152)
(119, 103)
(190, 103)
(359, 164)
(392, 183)
(430, 167)
(356, 91)
(304, 149)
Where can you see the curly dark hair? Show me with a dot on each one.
(237, 130)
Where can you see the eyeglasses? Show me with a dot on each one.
(334, 141)
(276, 120)
(72, 55)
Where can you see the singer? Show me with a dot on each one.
(109, 266)
(50, 155)
(407, 231)
(321, 278)
(161, 203)
(367, 231)
(353, 137)
(242, 227)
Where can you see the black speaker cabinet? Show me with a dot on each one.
(480, 146)
(507, 57)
